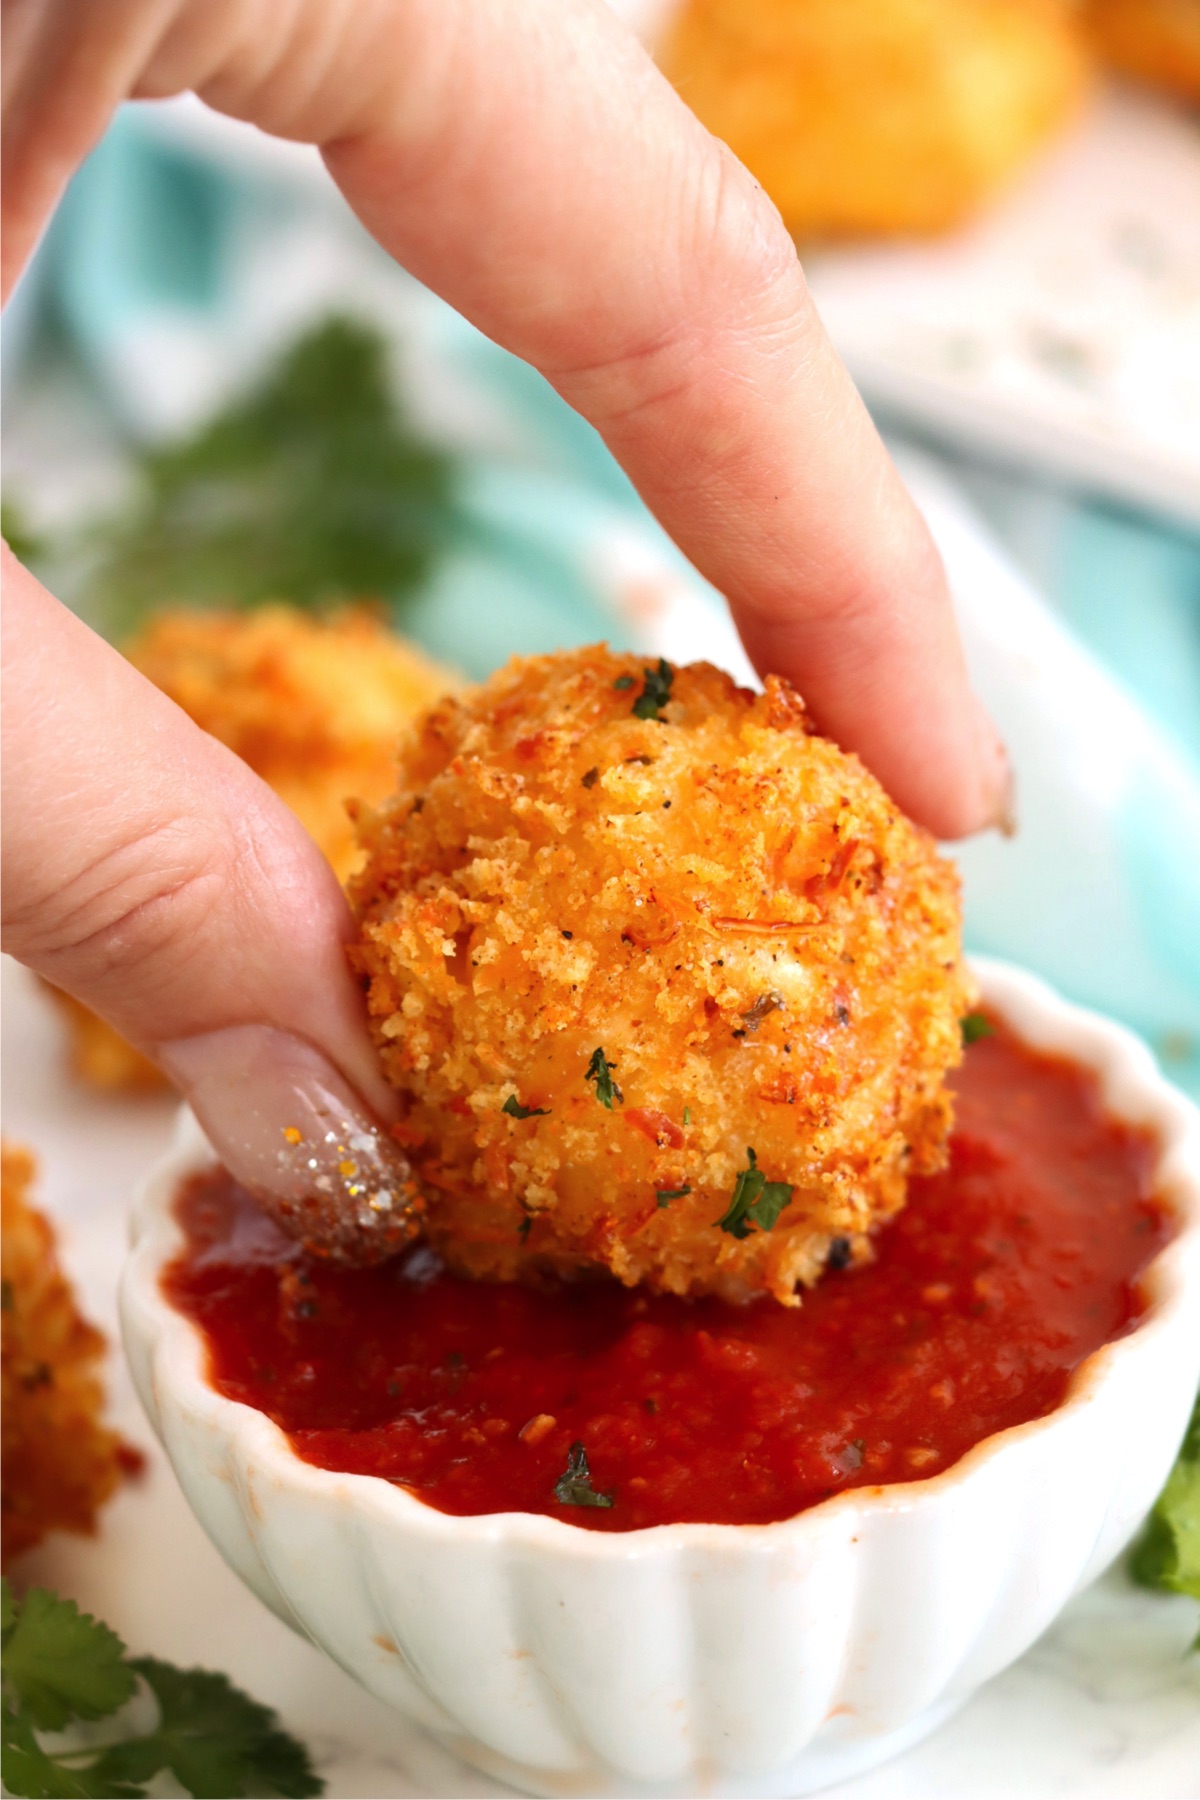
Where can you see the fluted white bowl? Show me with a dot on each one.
(714, 1659)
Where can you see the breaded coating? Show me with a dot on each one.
(314, 705)
(898, 116)
(60, 1463)
(1154, 40)
(666, 983)
(100, 1056)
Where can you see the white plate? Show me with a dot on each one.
(1061, 330)
(1105, 1706)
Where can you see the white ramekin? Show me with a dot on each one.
(703, 1659)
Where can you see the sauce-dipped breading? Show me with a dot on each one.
(665, 982)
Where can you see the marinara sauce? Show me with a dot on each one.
(999, 1277)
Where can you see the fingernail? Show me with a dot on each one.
(288, 1126)
(999, 781)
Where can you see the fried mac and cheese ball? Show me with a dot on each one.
(897, 116)
(60, 1462)
(1154, 40)
(666, 983)
(314, 705)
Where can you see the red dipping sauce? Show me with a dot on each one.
(1000, 1276)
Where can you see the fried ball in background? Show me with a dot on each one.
(893, 116)
(644, 953)
(314, 705)
(60, 1462)
(1154, 40)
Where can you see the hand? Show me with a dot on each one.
(526, 161)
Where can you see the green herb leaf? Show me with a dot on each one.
(575, 1487)
(656, 692)
(62, 1667)
(755, 1201)
(313, 488)
(976, 1025)
(664, 1196)
(60, 1664)
(25, 543)
(214, 1739)
(622, 682)
(28, 1770)
(600, 1071)
(512, 1106)
(524, 1229)
(1168, 1552)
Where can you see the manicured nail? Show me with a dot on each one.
(288, 1126)
(999, 781)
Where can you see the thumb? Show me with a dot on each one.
(156, 878)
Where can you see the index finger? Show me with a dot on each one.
(527, 161)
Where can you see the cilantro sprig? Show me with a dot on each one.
(314, 486)
(600, 1070)
(755, 1201)
(574, 1488)
(656, 691)
(1168, 1553)
(63, 1668)
(664, 1196)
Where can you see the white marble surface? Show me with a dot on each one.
(1106, 1706)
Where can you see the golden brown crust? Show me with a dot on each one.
(100, 1056)
(314, 705)
(1155, 40)
(60, 1463)
(728, 907)
(898, 116)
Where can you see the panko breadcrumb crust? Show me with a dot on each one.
(903, 115)
(719, 900)
(60, 1463)
(1154, 40)
(313, 704)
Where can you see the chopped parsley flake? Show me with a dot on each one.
(766, 1003)
(512, 1106)
(977, 1025)
(664, 1196)
(623, 682)
(575, 1487)
(600, 1070)
(755, 1201)
(656, 692)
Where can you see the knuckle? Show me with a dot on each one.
(735, 243)
(140, 902)
(735, 285)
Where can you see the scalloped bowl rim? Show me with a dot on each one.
(1134, 1091)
